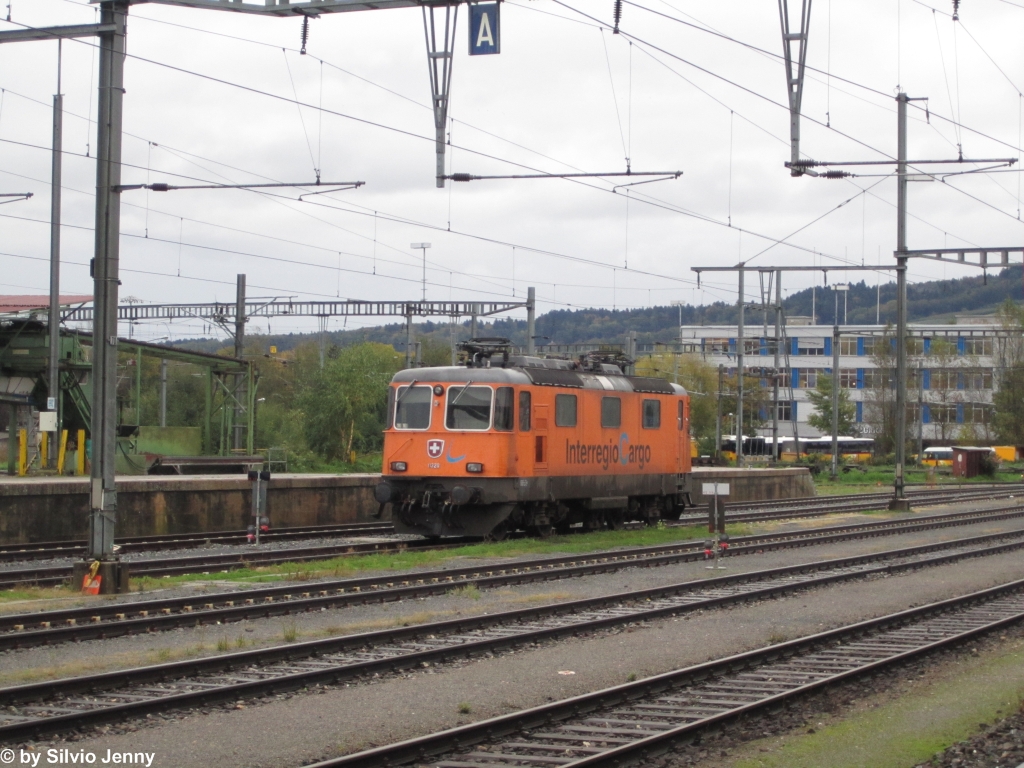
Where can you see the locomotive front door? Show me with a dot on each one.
(540, 439)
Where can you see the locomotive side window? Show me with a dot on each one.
(469, 408)
(611, 412)
(524, 411)
(412, 410)
(565, 410)
(652, 414)
(504, 409)
(679, 415)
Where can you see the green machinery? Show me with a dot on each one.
(230, 386)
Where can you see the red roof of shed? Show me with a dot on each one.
(27, 302)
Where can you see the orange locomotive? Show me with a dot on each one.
(511, 442)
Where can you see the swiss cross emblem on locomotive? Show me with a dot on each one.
(435, 448)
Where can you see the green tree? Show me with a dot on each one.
(343, 404)
(880, 392)
(821, 398)
(1008, 400)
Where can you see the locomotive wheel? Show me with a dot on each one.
(498, 532)
(541, 531)
(616, 521)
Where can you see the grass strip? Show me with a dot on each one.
(347, 567)
(951, 703)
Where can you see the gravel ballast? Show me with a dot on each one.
(290, 730)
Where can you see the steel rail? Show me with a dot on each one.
(117, 619)
(638, 721)
(55, 575)
(33, 709)
(73, 548)
(746, 513)
(174, 566)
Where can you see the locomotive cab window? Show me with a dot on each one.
(679, 415)
(652, 414)
(565, 410)
(469, 408)
(412, 408)
(524, 411)
(611, 412)
(504, 409)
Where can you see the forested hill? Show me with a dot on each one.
(936, 301)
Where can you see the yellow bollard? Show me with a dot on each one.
(62, 452)
(44, 450)
(22, 452)
(80, 454)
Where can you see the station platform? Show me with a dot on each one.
(52, 508)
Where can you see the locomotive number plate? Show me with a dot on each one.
(432, 465)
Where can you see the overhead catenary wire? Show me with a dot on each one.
(813, 70)
(615, 98)
(251, 89)
(726, 38)
(302, 120)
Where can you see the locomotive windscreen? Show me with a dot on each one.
(413, 409)
(469, 407)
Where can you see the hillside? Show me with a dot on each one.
(935, 301)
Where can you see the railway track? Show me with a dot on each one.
(807, 506)
(31, 710)
(224, 562)
(637, 721)
(51, 550)
(117, 619)
(818, 506)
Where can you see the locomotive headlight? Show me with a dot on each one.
(399, 466)
(474, 467)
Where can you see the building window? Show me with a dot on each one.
(716, 346)
(785, 411)
(611, 412)
(848, 345)
(565, 410)
(915, 345)
(848, 378)
(810, 346)
(981, 347)
(943, 379)
(876, 378)
(752, 346)
(942, 413)
(978, 378)
(808, 378)
(977, 413)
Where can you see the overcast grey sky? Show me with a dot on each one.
(210, 97)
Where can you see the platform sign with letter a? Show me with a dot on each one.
(484, 29)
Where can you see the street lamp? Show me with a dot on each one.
(843, 288)
(423, 247)
(680, 305)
